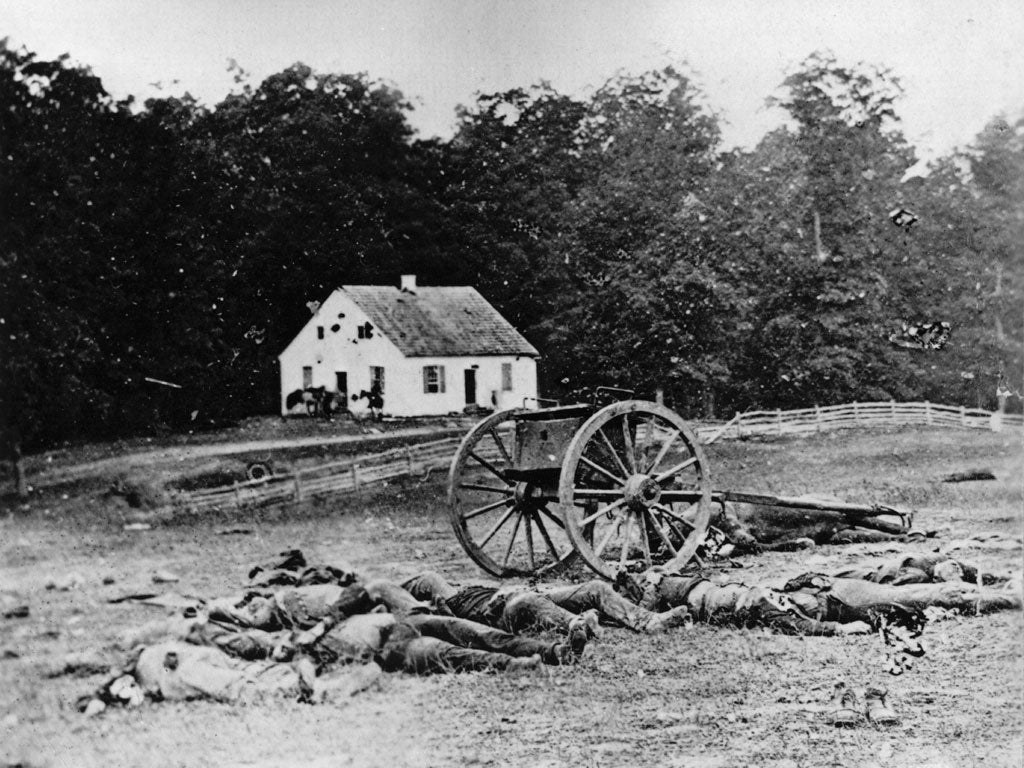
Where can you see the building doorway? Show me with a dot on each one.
(341, 384)
(470, 381)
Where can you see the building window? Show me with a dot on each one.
(506, 377)
(433, 379)
(377, 378)
(307, 376)
(319, 331)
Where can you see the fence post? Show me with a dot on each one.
(927, 412)
(963, 416)
(238, 498)
(778, 420)
(739, 420)
(408, 460)
(856, 414)
(892, 410)
(298, 487)
(817, 418)
(355, 477)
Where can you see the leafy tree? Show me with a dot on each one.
(644, 314)
(829, 291)
(62, 142)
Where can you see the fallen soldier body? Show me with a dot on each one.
(742, 605)
(180, 671)
(361, 638)
(300, 639)
(920, 569)
(752, 528)
(222, 663)
(522, 609)
(819, 604)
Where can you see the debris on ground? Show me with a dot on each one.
(165, 577)
(13, 605)
(971, 474)
(65, 583)
(79, 665)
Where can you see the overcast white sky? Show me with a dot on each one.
(961, 61)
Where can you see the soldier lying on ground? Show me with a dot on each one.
(456, 644)
(819, 604)
(180, 671)
(752, 528)
(300, 639)
(519, 609)
(919, 569)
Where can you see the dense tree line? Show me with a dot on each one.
(180, 243)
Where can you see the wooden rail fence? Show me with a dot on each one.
(356, 473)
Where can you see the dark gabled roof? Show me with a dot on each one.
(439, 321)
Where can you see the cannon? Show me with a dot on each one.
(623, 487)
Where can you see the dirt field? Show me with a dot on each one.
(697, 697)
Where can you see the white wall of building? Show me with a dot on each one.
(342, 351)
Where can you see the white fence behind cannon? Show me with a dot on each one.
(356, 473)
(889, 414)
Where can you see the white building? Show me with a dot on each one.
(433, 350)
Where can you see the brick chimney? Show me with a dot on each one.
(409, 283)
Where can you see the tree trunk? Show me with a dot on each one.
(20, 485)
(1000, 334)
(709, 403)
(822, 255)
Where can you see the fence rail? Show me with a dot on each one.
(355, 473)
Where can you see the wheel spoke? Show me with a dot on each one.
(501, 446)
(627, 439)
(663, 452)
(554, 518)
(680, 516)
(648, 434)
(529, 538)
(663, 476)
(671, 518)
(612, 451)
(497, 525)
(662, 535)
(602, 511)
(624, 549)
(512, 541)
(476, 487)
(547, 538)
(481, 510)
(605, 540)
(602, 470)
(488, 466)
(645, 542)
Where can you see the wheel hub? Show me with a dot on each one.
(525, 491)
(641, 492)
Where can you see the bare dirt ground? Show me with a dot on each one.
(699, 696)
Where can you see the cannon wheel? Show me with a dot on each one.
(501, 523)
(645, 469)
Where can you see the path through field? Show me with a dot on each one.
(44, 476)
